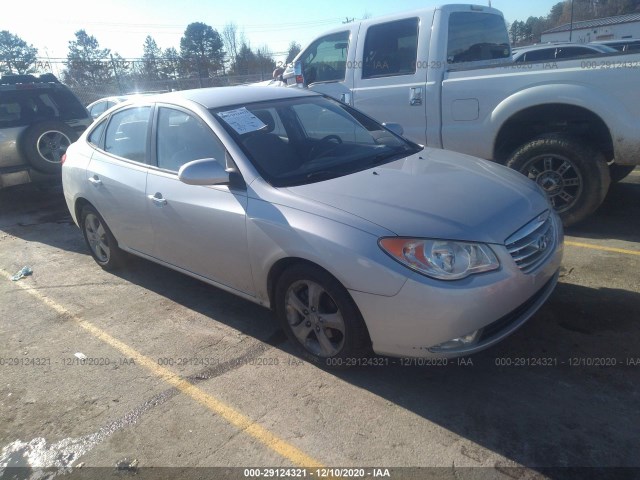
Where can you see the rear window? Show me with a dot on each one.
(475, 36)
(25, 107)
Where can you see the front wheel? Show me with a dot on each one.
(319, 317)
(574, 175)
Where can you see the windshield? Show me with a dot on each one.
(309, 139)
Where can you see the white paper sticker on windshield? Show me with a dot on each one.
(242, 120)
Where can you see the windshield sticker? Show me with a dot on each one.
(242, 120)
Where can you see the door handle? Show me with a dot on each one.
(157, 199)
(415, 98)
(95, 181)
(346, 98)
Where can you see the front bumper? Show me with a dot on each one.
(427, 313)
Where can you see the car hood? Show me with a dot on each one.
(435, 194)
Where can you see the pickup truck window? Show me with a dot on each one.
(326, 59)
(477, 36)
(391, 49)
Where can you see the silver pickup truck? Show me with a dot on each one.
(447, 77)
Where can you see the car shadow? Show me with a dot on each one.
(611, 220)
(557, 393)
(541, 398)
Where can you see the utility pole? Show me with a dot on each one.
(115, 72)
(571, 25)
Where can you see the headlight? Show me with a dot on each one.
(441, 259)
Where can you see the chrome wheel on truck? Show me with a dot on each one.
(574, 175)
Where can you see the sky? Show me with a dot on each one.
(122, 25)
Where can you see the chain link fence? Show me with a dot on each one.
(90, 93)
(131, 82)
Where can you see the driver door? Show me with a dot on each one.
(324, 65)
(201, 229)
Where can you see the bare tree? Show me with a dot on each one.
(232, 43)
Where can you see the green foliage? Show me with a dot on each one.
(16, 56)
(151, 59)
(87, 63)
(201, 50)
(294, 49)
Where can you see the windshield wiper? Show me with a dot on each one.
(322, 174)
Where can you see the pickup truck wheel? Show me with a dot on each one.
(574, 175)
(619, 172)
(319, 317)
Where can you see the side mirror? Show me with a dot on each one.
(395, 128)
(203, 172)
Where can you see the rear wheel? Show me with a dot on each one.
(575, 176)
(101, 242)
(319, 317)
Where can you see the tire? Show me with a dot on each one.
(574, 175)
(43, 145)
(101, 242)
(620, 172)
(326, 331)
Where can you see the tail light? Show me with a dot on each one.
(63, 159)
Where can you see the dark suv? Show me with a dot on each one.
(39, 119)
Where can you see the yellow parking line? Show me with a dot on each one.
(604, 249)
(234, 417)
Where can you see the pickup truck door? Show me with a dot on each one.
(325, 64)
(390, 84)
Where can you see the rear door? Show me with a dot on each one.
(201, 229)
(117, 173)
(390, 85)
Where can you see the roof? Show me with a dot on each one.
(221, 96)
(598, 22)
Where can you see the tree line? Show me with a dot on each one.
(530, 31)
(203, 53)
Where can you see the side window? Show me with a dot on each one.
(96, 135)
(326, 59)
(572, 52)
(67, 104)
(182, 138)
(9, 111)
(475, 36)
(391, 49)
(540, 55)
(126, 134)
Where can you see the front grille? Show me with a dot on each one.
(534, 243)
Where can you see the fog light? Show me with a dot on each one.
(456, 343)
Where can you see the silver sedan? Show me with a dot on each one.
(358, 239)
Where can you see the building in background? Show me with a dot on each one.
(610, 28)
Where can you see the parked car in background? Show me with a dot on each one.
(356, 237)
(100, 106)
(558, 51)
(447, 76)
(622, 45)
(39, 119)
